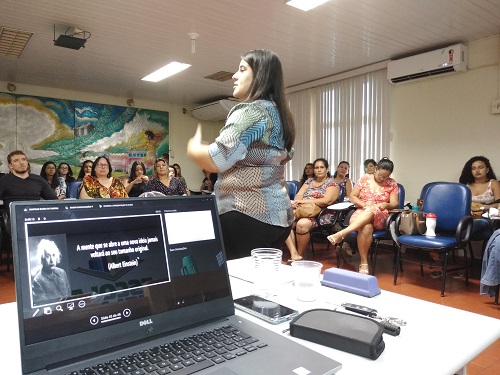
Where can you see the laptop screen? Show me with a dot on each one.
(115, 270)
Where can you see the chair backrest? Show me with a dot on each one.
(450, 201)
(293, 188)
(73, 190)
(427, 186)
(341, 197)
(401, 196)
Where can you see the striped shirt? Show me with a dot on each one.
(250, 155)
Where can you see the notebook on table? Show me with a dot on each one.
(107, 286)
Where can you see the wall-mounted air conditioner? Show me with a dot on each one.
(442, 61)
(214, 111)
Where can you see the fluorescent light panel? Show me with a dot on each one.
(168, 70)
(305, 5)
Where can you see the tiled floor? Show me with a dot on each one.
(410, 283)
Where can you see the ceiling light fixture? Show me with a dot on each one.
(193, 37)
(305, 5)
(168, 70)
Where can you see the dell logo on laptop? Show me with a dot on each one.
(145, 322)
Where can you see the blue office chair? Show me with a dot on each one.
(378, 235)
(73, 190)
(293, 188)
(451, 202)
(426, 187)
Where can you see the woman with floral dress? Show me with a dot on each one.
(320, 190)
(100, 183)
(374, 194)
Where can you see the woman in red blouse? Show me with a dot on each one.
(374, 194)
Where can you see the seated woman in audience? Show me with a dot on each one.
(320, 190)
(100, 183)
(307, 174)
(374, 194)
(370, 165)
(56, 182)
(208, 183)
(85, 170)
(66, 172)
(137, 180)
(179, 176)
(341, 177)
(479, 177)
(164, 180)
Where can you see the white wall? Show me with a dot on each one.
(182, 126)
(437, 124)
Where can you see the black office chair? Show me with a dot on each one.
(5, 237)
(451, 202)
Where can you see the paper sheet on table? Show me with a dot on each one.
(243, 269)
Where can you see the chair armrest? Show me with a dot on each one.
(465, 224)
(394, 231)
(392, 217)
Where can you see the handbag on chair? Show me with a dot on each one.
(412, 222)
(306, 210)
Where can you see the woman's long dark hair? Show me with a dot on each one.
(342, 162)
(268, 84)
(70, 171)
(55, 179)
(385, 164)
(81, 174)
(132, 170)
(467, 178)
(304, 176)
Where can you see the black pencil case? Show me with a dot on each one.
(350, 333)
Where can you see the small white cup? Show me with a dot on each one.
(266, 263)
(306, 278)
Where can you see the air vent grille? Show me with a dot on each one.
(220, 76)
(13, 41)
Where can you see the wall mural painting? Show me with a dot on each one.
(71, 131)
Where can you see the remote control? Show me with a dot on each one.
(363, 310)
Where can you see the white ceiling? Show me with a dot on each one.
(131, 38)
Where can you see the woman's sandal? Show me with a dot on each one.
(290, 261)
(364, 269)
(332, 239)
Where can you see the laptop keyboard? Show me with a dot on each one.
(181, 357)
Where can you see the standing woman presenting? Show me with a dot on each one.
(249, 156)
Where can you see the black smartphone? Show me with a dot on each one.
(265, 309)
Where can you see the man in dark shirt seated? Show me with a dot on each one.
(20, 184)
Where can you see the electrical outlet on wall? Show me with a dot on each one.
(495, 106)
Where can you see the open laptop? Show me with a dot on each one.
(136, 283)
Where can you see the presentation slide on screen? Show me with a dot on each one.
(98, 256)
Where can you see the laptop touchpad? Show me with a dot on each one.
(221, 371)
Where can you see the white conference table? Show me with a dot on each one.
(436, 340)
